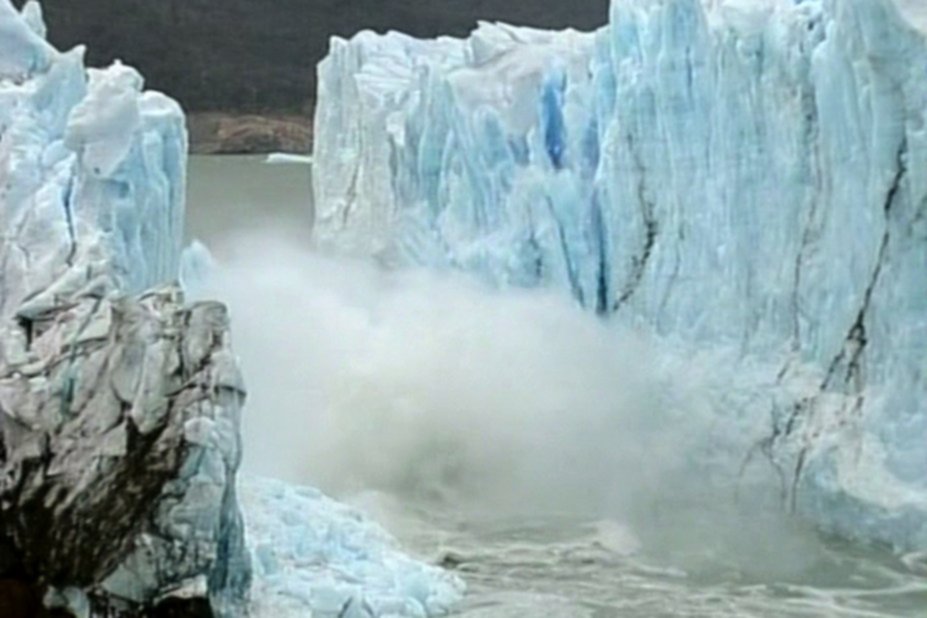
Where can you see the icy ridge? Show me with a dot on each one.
(122, 414)
(743, 174)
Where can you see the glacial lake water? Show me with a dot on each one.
(231, 194)
(540, 563)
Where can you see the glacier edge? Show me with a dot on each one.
(744, 175)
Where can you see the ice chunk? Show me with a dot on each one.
(741, 174)
(102, 127)
(196, 266)
(286, 158)
(34, 18)
(135, 439)
(312, 554)
(23, 49)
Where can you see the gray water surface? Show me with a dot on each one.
(552, 566)
(231, 195)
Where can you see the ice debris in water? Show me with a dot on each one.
(749, 175)
(287, 158)
(309, 551)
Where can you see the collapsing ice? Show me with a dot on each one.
(747, 176)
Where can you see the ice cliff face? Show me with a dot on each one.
(747, 174)
(119, 414)
(93, 174)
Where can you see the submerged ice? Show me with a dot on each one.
(744, 176)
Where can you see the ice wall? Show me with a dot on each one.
(119, 413)
(92, 173)
(745, 174)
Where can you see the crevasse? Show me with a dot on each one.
(741, 174)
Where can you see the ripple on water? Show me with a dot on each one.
(600, 569)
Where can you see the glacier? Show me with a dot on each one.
(745, 175)
(120, 401)
(93, 171)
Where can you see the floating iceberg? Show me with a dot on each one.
(747, 175)
(311, 552)
(286, 158)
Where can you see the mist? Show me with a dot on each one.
(423, 382)
(431, 386)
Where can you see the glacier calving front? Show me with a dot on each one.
(115, 410)
(749, 174)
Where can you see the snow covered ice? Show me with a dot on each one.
(743, 175)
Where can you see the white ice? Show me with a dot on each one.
(93, 172)
(286, 158)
